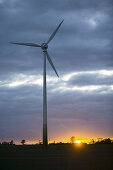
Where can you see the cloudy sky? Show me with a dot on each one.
(80, 101)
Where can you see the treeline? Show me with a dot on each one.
(105, 141)
(100, 141)
(12, 142)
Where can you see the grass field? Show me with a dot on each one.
(57, 157)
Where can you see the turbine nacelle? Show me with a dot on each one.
(44, 46)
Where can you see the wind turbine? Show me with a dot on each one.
(44, 47)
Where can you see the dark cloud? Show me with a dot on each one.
(91, 79)
(83, 43)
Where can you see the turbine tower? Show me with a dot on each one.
(44, 47)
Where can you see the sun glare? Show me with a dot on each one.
(78, 141)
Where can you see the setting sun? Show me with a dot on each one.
(78, 141)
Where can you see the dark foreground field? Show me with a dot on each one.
(57, 157)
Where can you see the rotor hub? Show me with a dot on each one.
(44, 46)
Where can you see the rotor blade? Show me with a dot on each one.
(53, 34)
(26, 44)
(51, 63)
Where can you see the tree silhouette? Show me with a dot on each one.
(11, 142)
(92, 141)
(72, 139)
(23, 142)
(105, 141)
(5, 143)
